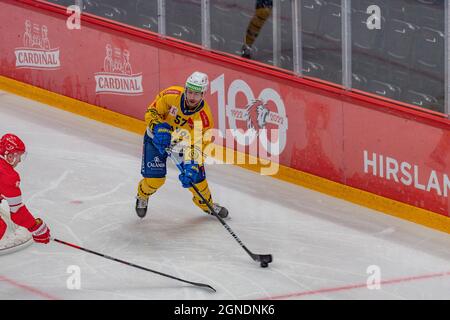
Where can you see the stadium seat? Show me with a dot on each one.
(332, 60)
(184, 13)
(429, 15)
(396, 75)
(218, 42)
(429, 50)
(286, 61)
(384, 89)
(399, 41)
(226, 24)
(264, 56)
(105, 10)
(330, 23)
(358, 81)
(146, 8)
(220, 19)
(364, 65)
(431, 85)
(143, 21)
(313, 69)
(422, 100)
(398, 10)
(183, 32)
(91, 6)
(310, 11)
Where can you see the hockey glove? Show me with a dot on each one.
(192, 174)
(162, 136)
(40, 232)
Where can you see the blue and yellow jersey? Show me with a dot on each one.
(169, 107)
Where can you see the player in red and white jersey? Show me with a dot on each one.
(12, 149)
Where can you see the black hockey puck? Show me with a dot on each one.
(264, 264)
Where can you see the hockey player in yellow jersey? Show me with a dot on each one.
(177, 113)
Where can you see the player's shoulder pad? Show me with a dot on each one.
(10, 178)
(176, 90)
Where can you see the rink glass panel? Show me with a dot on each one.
(229, 22)
(321, 39)
(404, 60)
(138, 13)
(183, 20)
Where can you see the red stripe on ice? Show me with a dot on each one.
(355, 286)
(28, 288)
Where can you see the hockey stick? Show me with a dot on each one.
(263, 259)
(198, 284)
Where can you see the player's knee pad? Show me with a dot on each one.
(148, 186)
(3, 227)
(263, 14)
(153, 163)
(204, 191)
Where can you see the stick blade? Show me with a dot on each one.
(266, 258)
(203, 285)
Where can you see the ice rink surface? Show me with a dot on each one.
(80, 176)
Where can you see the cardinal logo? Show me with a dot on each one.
(117, 76)
(36, 52)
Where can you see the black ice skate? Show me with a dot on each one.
(141, 207)
(246, 51)
(219, 210)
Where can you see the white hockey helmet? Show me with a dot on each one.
(197, 82)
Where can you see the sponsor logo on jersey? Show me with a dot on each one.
(36, 52)
(156, 163)
(117, 76)
(173, 111)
